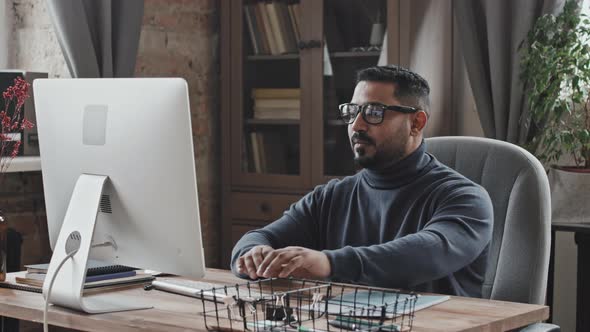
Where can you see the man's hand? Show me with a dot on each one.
(249, 262)
(295, 261)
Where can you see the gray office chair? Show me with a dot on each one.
(517, 184)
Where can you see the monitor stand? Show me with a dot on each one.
(76, 233)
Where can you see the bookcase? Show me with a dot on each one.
(285, 67)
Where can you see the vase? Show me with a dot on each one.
(377, 32)
(3, 245)
(570, 194)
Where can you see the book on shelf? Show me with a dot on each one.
(255, 152)
(267, 29)
(253, 30)
(277, 103)
(273, 27)
(274, 93)
(294, 23)
(268, 152)
(291, 17)
(261, 152)
(277, 114)
(297, 16)
(287, 31)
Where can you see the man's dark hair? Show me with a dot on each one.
(410, 87)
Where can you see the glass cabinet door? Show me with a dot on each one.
(356, 36)
(268, 97)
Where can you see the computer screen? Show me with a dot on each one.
(137, 133)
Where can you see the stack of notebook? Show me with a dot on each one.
(276, 104)
(98, 274)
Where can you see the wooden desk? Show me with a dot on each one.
(179, 313)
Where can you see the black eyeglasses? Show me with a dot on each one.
(371, 112)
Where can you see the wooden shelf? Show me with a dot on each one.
(292, 56)
(25, 164)
(355, 54)
(297, 153)
(287, 122)
(335, 123)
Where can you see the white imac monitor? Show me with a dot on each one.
(119, 178)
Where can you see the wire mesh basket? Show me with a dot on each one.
(289, 305)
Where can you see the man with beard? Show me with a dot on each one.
(404, 221)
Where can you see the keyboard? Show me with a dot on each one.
(196, 289)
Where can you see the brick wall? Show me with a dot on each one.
(35, 48)
(179, 38)
(21, 197)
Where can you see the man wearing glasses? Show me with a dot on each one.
(404, 221)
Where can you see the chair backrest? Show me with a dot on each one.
(518, 186)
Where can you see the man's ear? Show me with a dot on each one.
(419, 122)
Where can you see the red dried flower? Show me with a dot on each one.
(12, 121)
(14, 152)
(27, 124)
(6, 123)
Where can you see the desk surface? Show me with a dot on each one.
(179, 313)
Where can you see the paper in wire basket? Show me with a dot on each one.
(298, 305)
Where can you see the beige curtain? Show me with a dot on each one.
(490, 32)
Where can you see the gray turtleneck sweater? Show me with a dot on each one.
(416, 225)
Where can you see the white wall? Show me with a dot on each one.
(5, 34)
(35, 44)
(27, 39)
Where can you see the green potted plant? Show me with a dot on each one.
(555, 68)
